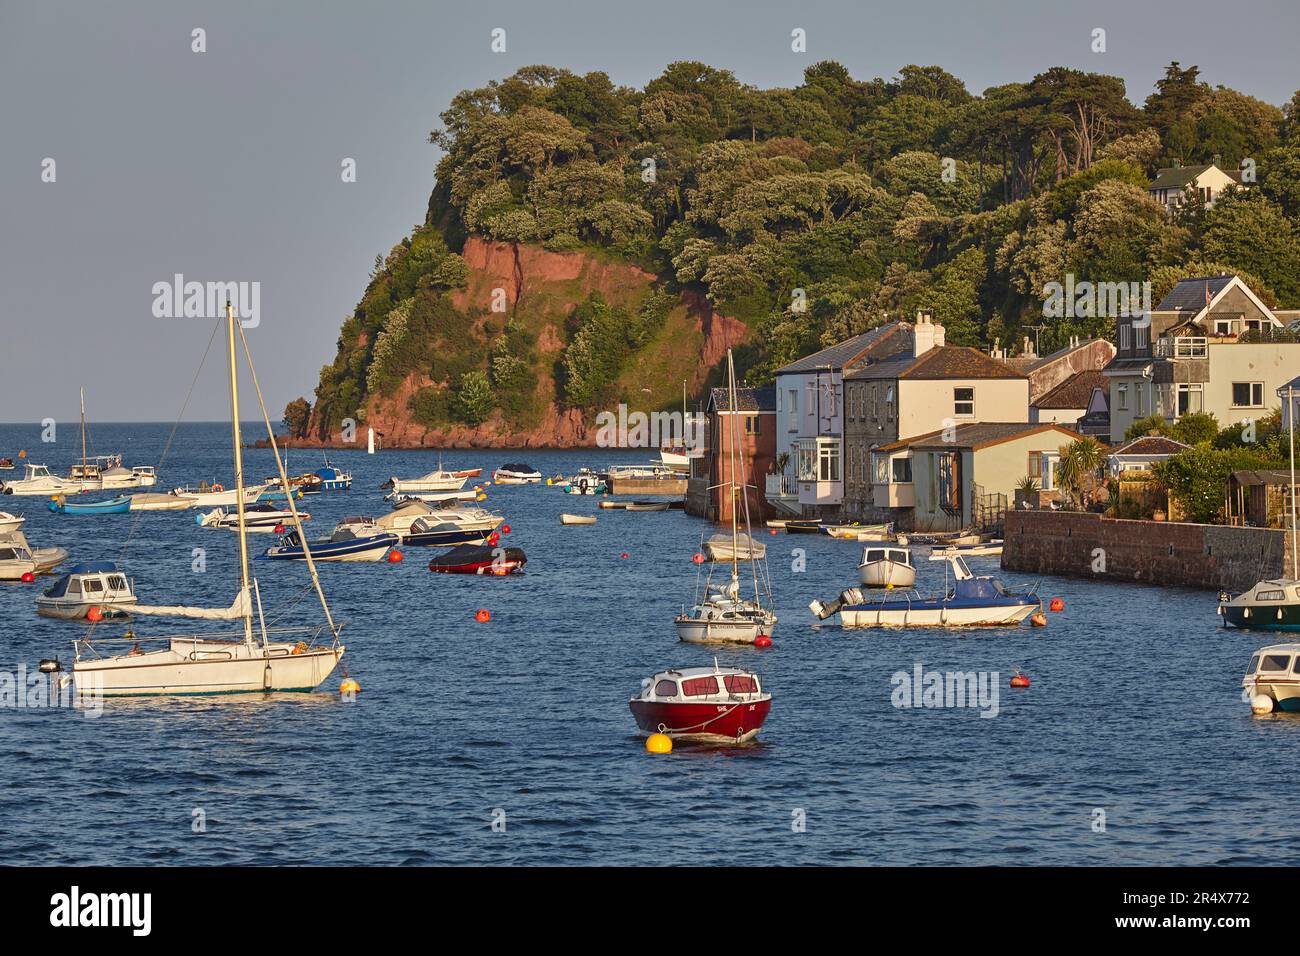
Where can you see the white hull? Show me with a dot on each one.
(886, 574)
(10, 522)
(75, 609)
(219, 499)
(577, 519)
(424, 485)
(936, 617)
(695, 631)
(158, 502)
(723, 552)
(192, 666)
(46, 486)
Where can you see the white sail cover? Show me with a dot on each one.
(243, 607)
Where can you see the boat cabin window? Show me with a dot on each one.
(91, 586)
(8, 554)
(700, 686)
(117, 582)
(1296, 668)
(1270, 596)
(1254, 663)
(666, 688)
(899, 556)
(74, 587)
(876, 555)
(1276, 662)
(740, 683)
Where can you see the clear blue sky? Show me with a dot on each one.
(225, 165)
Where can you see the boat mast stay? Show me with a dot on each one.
(741, 489)
(1290, 399)
(284, 479)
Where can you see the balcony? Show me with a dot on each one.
(1182, 347)
(781, 486)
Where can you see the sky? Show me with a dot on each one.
(226, 165)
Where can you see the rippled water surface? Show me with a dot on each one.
(1135, 708)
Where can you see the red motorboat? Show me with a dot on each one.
(468, 473)
(479, 559)
(708, 704)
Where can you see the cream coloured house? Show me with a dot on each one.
(1170, 186)
(1190, 357)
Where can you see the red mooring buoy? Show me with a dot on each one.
(762, 641)
(483, 615)
(1019, 680)
(1057, 605)
(394, 556)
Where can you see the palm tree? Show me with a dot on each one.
(1079, 471)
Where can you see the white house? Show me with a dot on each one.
(1170, 185)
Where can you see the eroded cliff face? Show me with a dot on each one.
(549, 285)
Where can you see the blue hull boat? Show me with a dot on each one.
(331, 479)
(347, 543)
(112, 506)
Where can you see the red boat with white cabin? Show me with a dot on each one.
(706, 704)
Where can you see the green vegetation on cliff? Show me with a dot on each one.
(809, 214)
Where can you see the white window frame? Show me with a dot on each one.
(957, 402)
(1125, 337)
(1255, 387)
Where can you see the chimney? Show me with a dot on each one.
(926, 334)
(1027, 348)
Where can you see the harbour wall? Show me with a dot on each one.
(1166, 553)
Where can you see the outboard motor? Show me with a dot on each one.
(48, 666)
(823, 611)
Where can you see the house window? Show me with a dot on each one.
(1223, 326)
(1121, 398)
(807, 461)
(1125, 337)
(902, 471)
(1189, 399)
(794, 409)
(889, 402)
(1141, 337)
(1139, 397)
(875, 408)
(963, 402)
(828, 461)
(1247, 394)
(751, 424)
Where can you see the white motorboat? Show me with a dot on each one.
(976, 549)
(721, 615)
(85, 589)
(262, 517)
(17, 557)
(1272, 679)
(577, 519)
(37, 480)
(347, 542)
(10, 522)
(432, 497)
(105, 472)
(152, 501)
(886, 567)
(738, 547)
(217, 496)
(437, 480)
(517, 474)
(215, 664)
(970, 602)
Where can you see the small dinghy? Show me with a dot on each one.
(262, 517)
(577, 519)
(517, 474)
(887, 567)
(720, 705)
(479, 559)
(976, 549)
(970, 602)
(720, 548)
(10, 522)
(648, 506)
(87, 586)
(856, 532)
(151, 501)
(348, 542)
(612, 505)
(112, 506)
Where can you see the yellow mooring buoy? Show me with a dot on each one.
(659, 744)
(349, 686)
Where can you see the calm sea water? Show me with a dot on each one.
(1135, 709)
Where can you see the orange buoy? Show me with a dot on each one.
(1039, 619)
(483, 615)
(94, 615)
(771, 531)
(394, 556)
(27, 577)
(697, 558)
(624, 555)
(279, 529)
(23, 453)
(1057, 605)
(505, 529)
(1019, 680)
(762, 641)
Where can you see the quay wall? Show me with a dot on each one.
(1170, 554)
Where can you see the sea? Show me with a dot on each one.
(510, 741)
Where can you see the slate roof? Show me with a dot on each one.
(1074, 392)
(884, 340)
(747, 399)
(1189, 294)
(1177, 177)
(1266, 476)
(1150, 445)
(945, 361)
(976, 435)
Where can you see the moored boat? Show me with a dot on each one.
(516, 473)
(261, 517)
(152, 501)
(577, 519)
(1267, 606)
(18, 558)
(448, 527)
(216, 495)
(348, 542)
(10, 522)
(479, 559)
(111, 506)
(975, 549)
(970, 602)
(437, 480)
(38, 480)
(886, 567)
(722, 705)
(722, 548)
(98, 585)
(1274, 675)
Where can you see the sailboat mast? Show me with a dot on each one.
(83, 431)
(731, 405)
(239, 472)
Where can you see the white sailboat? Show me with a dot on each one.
(722, 616)
(254, 662)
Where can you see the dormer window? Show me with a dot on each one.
(1125, 337)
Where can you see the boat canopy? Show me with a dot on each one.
(60, 587)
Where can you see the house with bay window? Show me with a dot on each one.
(810, 420)
(1205, 348)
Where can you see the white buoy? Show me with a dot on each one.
(1261, 704)
(370, 441)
